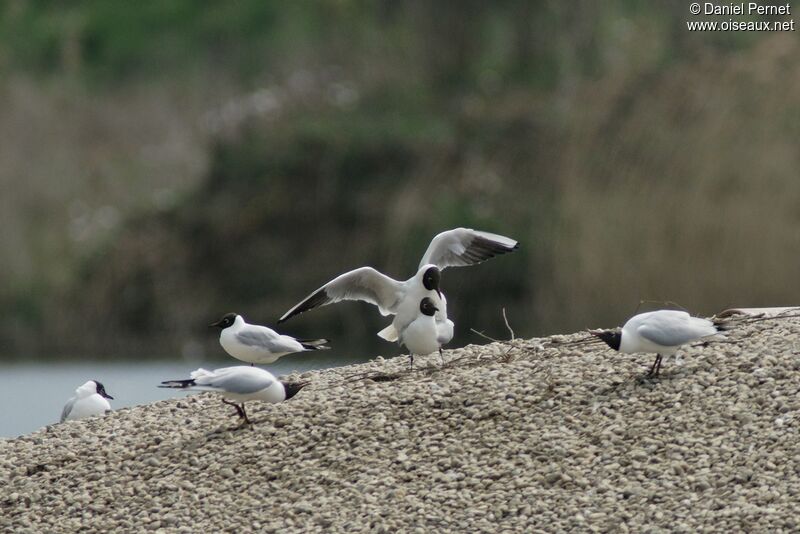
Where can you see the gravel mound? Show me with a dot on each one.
(542, 434)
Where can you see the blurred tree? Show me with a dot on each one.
(169, 160)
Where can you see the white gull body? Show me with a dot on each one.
(258, 344)
(89, 400)
(421, 336)
(663, 331)
(238, 384)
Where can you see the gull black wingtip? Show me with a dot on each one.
(318, 298)
(722, 326)
(315, 344)
(177, 384)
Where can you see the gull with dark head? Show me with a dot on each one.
(90, 399)
(422, 336)
(239, 384)
(454, 248)
(662, 332)
(253, 343)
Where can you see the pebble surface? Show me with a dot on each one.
(531, 435)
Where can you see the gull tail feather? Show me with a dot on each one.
(722, 326)
(389, 333)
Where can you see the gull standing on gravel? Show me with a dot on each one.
(454, 248)
(240, 383)
(89, 400)
(422, 336)
(662, 332)
(253, 343)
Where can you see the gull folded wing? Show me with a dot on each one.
(269, 340)
(67, 409)
(239, 380)
(674, 329)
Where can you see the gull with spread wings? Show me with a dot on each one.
(454, 248)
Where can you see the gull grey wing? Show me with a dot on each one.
(669, 337)
(67, 409)
(264, 339)
(464, 246)
(237, 381)
(674, 329)
(364, 283)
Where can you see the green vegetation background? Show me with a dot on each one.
(164, 162)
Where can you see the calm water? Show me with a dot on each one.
(33, 395)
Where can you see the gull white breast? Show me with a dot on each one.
(90, 399)
(254, 343)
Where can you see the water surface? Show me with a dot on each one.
(33, 395)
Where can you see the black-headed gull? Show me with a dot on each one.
(661, 332)
(421, 336)
(454, 248)
(239, 383)
(89, 400)
(253, 343)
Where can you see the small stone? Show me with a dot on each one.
(227, 472)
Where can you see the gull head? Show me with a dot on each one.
(431, 278)
(612, 338)
(100, 389)
(293, 388)
(227, 320)
(427, 307)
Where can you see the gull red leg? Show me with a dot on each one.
(239, 409)
(656, 366)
